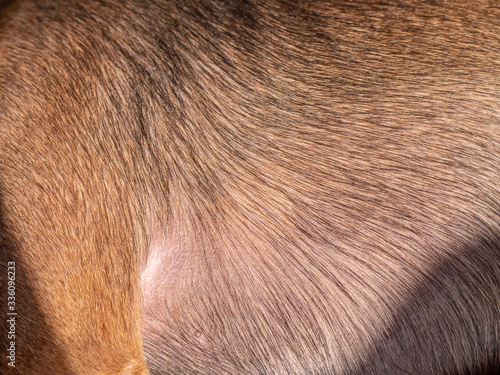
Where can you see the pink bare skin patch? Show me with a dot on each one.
(168, 280)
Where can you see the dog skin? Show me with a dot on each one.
(248, 187)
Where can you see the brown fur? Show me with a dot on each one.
(247, 187)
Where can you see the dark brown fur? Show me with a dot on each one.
(249, 187)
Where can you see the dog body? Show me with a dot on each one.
(247, 187)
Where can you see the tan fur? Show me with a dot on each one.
(246, 187)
